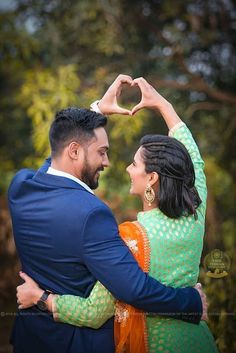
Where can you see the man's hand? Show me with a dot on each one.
(27, 293)
(108, 104)
(198, 287)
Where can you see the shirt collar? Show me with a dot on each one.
(56, 172)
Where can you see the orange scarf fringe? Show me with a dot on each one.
(130, 323)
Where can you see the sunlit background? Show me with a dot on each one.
(58, 53)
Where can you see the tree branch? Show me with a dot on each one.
(202, 106)
(201, 86)
(196, 82)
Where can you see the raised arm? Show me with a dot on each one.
(177, 129)
(153, 100)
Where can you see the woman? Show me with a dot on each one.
(167, 174)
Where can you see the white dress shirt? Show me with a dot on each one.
(56, 172)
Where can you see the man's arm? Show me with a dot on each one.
(110, 261)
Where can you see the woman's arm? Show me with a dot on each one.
(177, 129)
(183, 134)
(92, 312)
(153, 100)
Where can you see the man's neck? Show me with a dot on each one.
(66, 174)
(62, 168)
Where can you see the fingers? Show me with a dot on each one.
(119, 81)
(20, 306)
(198, 286)
(108, 104)
(137, 108)
(124, 79)
(25, 277)
(28, 279)
(145, 90)
(123, 111)
(141, 82)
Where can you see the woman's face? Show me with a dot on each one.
(139, 178)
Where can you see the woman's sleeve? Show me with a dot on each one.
(183, 134)
(92, 312)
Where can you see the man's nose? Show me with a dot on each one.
(106, 162)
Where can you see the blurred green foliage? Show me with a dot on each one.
(66, 52)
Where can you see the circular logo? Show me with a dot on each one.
(217, 264)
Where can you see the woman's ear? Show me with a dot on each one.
(153, 178)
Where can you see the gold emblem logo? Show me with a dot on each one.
(217, 264)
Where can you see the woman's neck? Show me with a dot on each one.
(147, 208)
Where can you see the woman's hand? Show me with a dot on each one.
(150, 97)
(154, 100)
(108, 104)
(27, 293)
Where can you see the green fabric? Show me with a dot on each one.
(93, 311)
(176, 246)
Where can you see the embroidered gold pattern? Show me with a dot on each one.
(132, 244)
(121, 314)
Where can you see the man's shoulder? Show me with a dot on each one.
(22, 175)
(89, 201)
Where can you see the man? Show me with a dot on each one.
(67, 238)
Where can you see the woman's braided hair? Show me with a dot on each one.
(168, 157)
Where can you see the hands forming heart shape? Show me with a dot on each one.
(150, 97)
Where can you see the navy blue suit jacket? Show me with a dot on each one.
(67, 239)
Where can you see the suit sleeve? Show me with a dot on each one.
(111, 262)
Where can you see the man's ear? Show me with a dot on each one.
(153, 178)
(74, 150)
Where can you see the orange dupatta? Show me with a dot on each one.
(130, 323)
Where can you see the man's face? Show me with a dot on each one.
(95, 158)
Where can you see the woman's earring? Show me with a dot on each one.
(149, 195)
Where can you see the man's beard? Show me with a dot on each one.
(88, 175)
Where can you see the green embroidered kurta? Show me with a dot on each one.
(176, 246)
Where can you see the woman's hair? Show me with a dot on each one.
(177, 195)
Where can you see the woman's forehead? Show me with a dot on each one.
(138, 154)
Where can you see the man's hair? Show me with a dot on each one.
(73, 124)
(177, 195)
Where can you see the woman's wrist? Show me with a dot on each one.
(169, 114)
(95, 107)
(163, 105)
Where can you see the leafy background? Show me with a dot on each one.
(59, 53)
